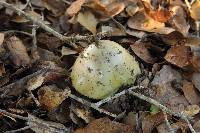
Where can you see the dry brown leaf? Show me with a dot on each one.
(190, 93)
(142, 52)
(105, 125)
(2, 69)
(179, 55)
(1, 38)
(21, 19)
(115, 8)
(196, 126)
(195, 10)
(141, 22)
(18, 52)
(107, 8)
(67, 51)
(191, 110)
(179, 20)
(50, 97)
(161, 15)
(88, 20)
(35, 82)
(151, 121)
(196, 80)
(56, 6)
(75, 7)
(132, 9)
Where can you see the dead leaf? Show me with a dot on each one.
(141, 22)
(67, 51)
(88, 20)
(49, 41)
(56, 6)
(179, 55)
(132, 9)
(107, 8)
(190, 93)
(151, 121)
(18, 52)
(161, 14)
(179, 20)
(104, 125)
(35, 82)
(21, 19)
(196, 126)
(1, 38)
(82, 112)
(2, 69)
(131, 120)
(196, 80)
(191, 110)
(50, 97)
(75, 7)
(195, 10)
(141, 50)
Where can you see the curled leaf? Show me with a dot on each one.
(88, 20)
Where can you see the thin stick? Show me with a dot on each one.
(117, 95)
(89, 104)
(16, 31)
(167, 123)
(40, 23)
(19, 130)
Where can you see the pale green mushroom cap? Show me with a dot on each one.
(102, 69)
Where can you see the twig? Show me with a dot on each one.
(16, 31)
(33, 121)
(89, 104)
(40, 23)
(19, 130)
(162, 107)
(117, 95)
(167, 123)
(165, 109)
(189, 124)
(187, 4)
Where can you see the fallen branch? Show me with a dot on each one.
(41, 24)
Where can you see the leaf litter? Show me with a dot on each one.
(35, 65)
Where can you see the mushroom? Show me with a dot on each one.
(101, 69)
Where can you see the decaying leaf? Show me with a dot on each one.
(190, 93)
(141, 50)
(1, 38)
(141, 22)
(179, 55)
(195, 10)
(18, 52)
(161, 14)
(179, 20)
(196, 126)
(35, 82)
(56, 6)
(67, 51)
(88, 20)
(131, 120)
(75, 7)
(151, 121)
(103, 125)
(191, 110)
(21, 19)
(108, 8)
(50, 97)
(41, 126)
(132, 9)
(82, 112)
(196, 80)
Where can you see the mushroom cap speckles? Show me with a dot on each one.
(101, 70)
